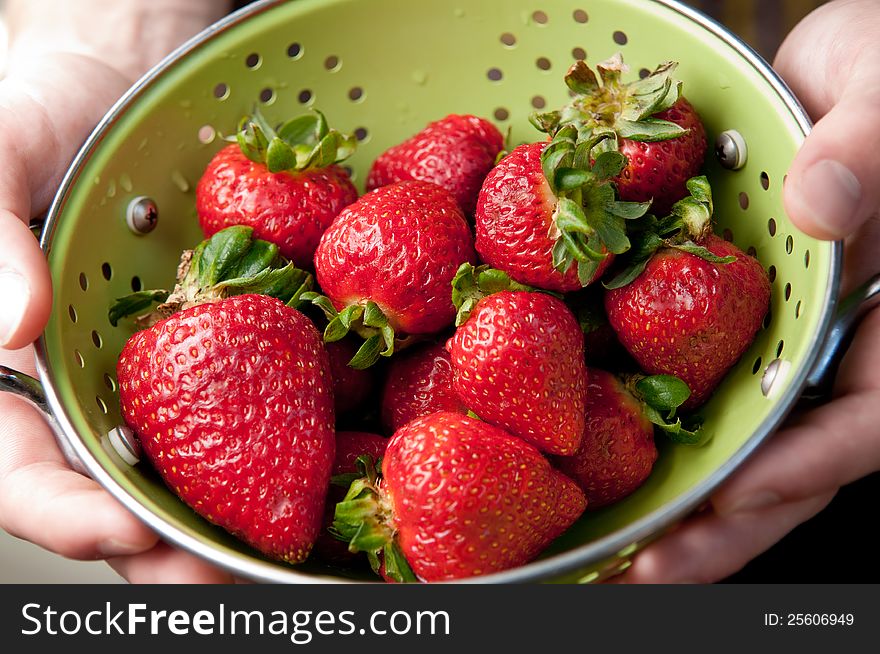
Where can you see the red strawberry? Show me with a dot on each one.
(349, 446)
(288, 196)
(386, 264)
(550, 221)
(692, 308)
(230, 392)
(458, 498)
(651, 123)
(658, 170)
(419, 383)
(351, 387)
(232, 403)
(518, 362)
(617, 452)
(455, 153)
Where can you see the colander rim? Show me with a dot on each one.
(589, 554)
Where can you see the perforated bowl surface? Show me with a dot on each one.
(383, 69)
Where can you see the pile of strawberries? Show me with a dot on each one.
(518, 323)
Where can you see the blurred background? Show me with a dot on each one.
(830, 548)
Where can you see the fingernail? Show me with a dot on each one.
(750, 503)
(14, 297)
(832, 194)
(112, 547)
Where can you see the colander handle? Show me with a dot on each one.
(850, 313)
(30, 389)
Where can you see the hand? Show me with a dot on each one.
(832, 192)
(49, 102)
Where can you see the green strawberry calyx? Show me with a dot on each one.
(688, 224)
(299, 144)
(231, 262)
(367, 320)
(661, 396)
(471, 284)
(604, 103)
(589, 222)
(364, 520)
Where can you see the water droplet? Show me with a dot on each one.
(111, 189)
(125, 183)
(723, 82)
(97, 180)
(420, 77)
(143, 144)
(186, 104)
(180, 181)
(458, 12)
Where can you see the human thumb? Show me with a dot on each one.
(25, 286)
(833, 185)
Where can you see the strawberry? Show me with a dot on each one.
(284, 183)
(618, 452)
(419, 383)
(349, 446)
(230, 394)
(232, 403)
(457, 498)
(386, 263)
(351, 387)
(549, 218)
(455, 152)
(688, 308)
(518, 363)
(648, 120)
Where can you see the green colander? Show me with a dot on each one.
(382, 69)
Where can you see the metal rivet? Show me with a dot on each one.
(775, 375)
(142, 215)
(731, 149)
(124, 443)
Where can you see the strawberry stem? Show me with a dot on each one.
(229, 263)
(589, 222)
(299, 144)
(367, 320)
(363, 520)
(624, 109)
(661, 396)
(471, 284)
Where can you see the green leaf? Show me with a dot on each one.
(322, 302)
(373, 316)
(688, 432)
(627, 275)
(301, 130)
(279, 156)
(367, 354)
(649, 130)
(628, 210)
(700, 190)
(470, 285)
(570, 218)
(546, 122)
(261, 255)
(222, 253)
(569, 179)
(581, 79)
(609, 165)
(134, 303)
(663, 392)
(587, 270)
(698, 250)
(396, 565)
(341, 324)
